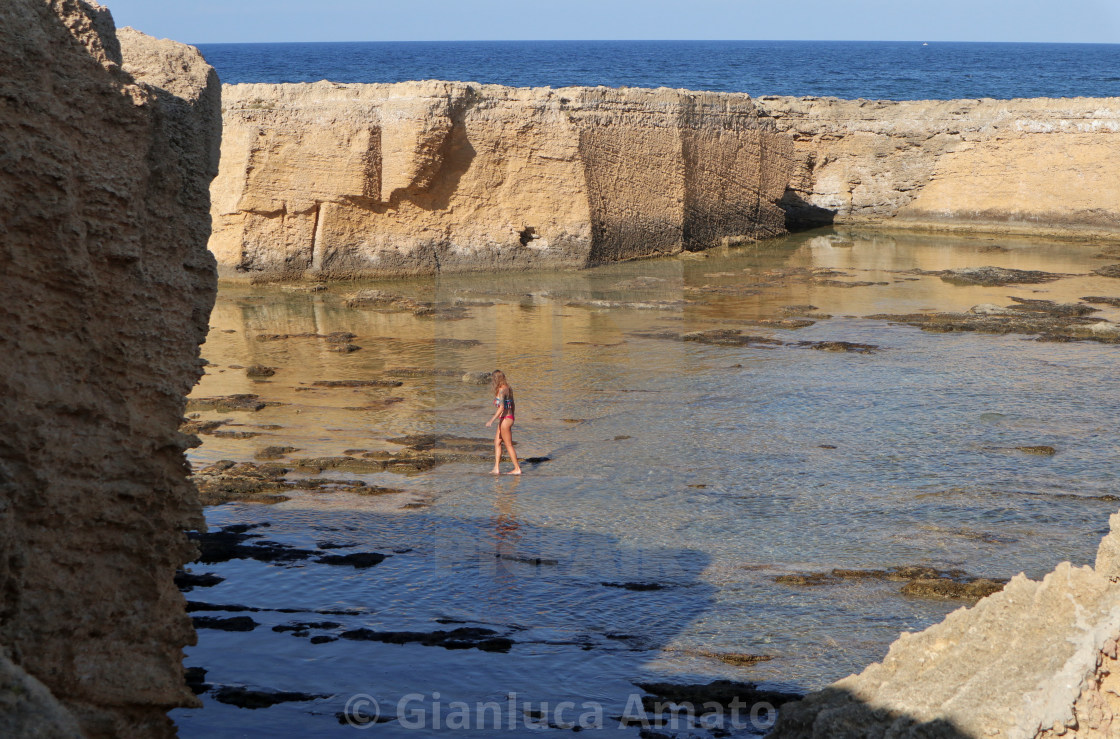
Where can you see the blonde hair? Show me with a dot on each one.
(497, 379)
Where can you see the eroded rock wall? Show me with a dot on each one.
(1030, 165)
(109, 146)
(346, 180)
(422, 177)
(1037, 659)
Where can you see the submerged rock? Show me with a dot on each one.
(1045, 451)
(274, 452)
(259, 370)
(230, 543)
(840, 346)
(995, 276)
(468, 637)
(188, 581)
(229, 403)
(233, 623)
(1114, 302)
(1047, 320)
(920, 580)
(1111, 270)
(729, 337)
(635, 586)
(248, 698)
(701, 698)
(357, 383)
(227, 481)
(357, 560)
(196, 680)
(945, 588)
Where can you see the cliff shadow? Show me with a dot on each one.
(836, 713)
(801, 215)
(459, 610)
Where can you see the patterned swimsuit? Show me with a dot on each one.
(506, 404)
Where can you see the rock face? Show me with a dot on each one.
(109, 148)
(1036, 165)
(423, 177)
(345, 180)
(1038, 659)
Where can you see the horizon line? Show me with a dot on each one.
(656, 40)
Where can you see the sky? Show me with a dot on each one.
(219, 21)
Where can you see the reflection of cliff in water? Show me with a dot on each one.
(762, 459)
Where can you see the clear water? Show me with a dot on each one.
(721, 485)
(846, 69)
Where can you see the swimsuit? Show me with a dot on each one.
(506, 405)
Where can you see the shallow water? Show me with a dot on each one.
(695, 467)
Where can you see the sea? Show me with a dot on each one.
(690, 502)
(894, 70)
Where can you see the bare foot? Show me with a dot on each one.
(495, 471)
(515, 472)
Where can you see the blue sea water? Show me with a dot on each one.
(877, 70)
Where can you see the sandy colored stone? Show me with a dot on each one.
(336, 180)
(28, 710)
(109, 148)
(1037, 659)
(1034, 165)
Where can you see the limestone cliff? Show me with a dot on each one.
(110, 144)
(1038, 659)
(1037, 165)
(347, 180)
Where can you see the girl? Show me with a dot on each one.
(503, 399)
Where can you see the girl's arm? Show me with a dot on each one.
(498, 410)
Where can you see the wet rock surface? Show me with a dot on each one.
(227, 481)
(233, 542)
(736, 338)
(393, 303)
(357, 383)
(920, 581)
(233, 623)
(702, 696)
(486, 640)
(229, 403)
(243, 697)
(188, 581)
(1098, 300)
(995, 276)
(840, 347)
(357, 560)
(1047, 320)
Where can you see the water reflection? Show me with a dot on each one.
(707, 470)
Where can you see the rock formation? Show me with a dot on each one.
(1038, 659)
(338, 180)
(423, 177)
(109, 148)
(1035, 166)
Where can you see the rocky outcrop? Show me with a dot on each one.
(423, 177)
(344, 180)
(110, 144)
(1038, 659)
(1032, 165)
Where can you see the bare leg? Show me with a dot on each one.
(497, 450)
(507, 436)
